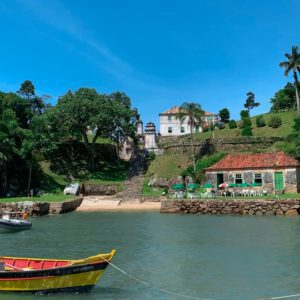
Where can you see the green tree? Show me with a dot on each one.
(232, 124)
(79, 112)
(224, 115)
(192, 113)
(250, 102)
(293, 64)
(284, 99)
(123, 119)
(246, 123)
(27, 91)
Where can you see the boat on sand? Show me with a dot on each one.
(48, 276)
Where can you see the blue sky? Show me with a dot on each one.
(160, 53)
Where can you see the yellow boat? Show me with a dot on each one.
(47, 276)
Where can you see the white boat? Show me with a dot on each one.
(13, 224)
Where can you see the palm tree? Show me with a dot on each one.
(293, 63)
(192, 113)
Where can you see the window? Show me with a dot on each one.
(182, 129)
(257, 178)
(169, 118)
(169, 129)
(238, 178)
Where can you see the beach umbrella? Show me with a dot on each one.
(193, 186)
(207, 186)
(223, 185)
(177, 186)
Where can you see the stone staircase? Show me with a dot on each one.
(135, 177)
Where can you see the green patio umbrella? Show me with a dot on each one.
(177, 186)
(193, 186)
(233, 185)
(208, 186)
(243, 184)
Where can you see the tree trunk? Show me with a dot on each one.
(297, 93)
(29, 179)
(91, 152)
(117, 150)
(5, 179)
(192, 143)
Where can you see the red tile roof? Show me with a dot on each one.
(254, 161)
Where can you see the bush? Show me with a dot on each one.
(275, 122)
(247, 131)
(232, 124)
(244, 114)
(221, 125)
(189, 171)
(260, 121)
(205, 162)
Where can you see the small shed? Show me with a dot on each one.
(274, 171)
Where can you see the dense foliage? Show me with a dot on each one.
(204, 162)
(284, 99)
(275, 122)
(260, 121)
(30, 131)
(224, 115)
(232, 124)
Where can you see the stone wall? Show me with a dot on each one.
(99, 189)
(39, 208)
(208, 146)
(233, 207)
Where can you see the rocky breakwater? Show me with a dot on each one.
(289, 207)
(39, 208)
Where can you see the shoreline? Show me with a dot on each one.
(117, 205)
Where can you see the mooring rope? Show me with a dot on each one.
(183, 295)
(152, 285)
(280, 297)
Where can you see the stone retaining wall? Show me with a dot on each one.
(99, 189)
(39, 208)
(289, 207)
(208, 146)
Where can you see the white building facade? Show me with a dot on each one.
(170, 125)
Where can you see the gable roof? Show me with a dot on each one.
(254, 161)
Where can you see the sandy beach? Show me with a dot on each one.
(106, 204)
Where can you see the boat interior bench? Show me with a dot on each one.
(12, 264)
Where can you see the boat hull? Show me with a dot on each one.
(75, 278)
(7, 225)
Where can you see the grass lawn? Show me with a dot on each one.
(43, 198)
(109, 173)
(285, 129)
(152, 192)
(168, 165)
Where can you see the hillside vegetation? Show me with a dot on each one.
(284, 130)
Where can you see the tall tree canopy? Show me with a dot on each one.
(224, 115)
(250, 101)
(192, 113)
(293, 65)
(284, 99)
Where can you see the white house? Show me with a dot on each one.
(171, 125)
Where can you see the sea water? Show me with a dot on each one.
(171, 256)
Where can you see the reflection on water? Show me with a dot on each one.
(216, 257)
